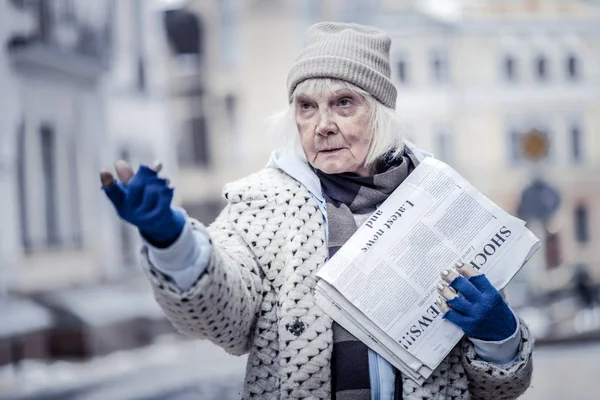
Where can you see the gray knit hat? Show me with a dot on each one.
(354, 53)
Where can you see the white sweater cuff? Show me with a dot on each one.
(185, 260)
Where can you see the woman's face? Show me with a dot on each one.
(334, 129)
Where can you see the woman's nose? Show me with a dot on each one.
(326, 125)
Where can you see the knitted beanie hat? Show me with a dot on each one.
(354, 53)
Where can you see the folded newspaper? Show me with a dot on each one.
(381, 285)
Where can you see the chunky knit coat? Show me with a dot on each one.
(257, 296)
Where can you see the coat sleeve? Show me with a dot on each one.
(222, 305)
(499, 382)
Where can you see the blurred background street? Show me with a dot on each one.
(505, 91)
(189, 371)
(565, 372)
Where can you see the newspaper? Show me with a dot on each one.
(381, 285)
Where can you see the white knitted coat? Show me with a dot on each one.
(257, 296)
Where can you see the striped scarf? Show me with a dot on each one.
(347, 194)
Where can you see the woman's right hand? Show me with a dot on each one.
(144, 199)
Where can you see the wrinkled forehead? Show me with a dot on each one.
(323, 87)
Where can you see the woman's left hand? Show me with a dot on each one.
(478, 308)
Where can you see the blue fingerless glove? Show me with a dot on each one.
(146, 203)
(479, 310)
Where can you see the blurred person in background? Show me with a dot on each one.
(584, 287)
(246, 282)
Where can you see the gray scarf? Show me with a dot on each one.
(347, 194)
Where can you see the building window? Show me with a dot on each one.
(73, 26)
(230, 108)
(48, 150)
(200, 142)
(575, 136)
(439, 66)
(582, 234)
(402, 69)
(515, 150)
(76, 234)
(236, 145)
(572, 67)
(230, 44)
(541, 68)
(45, 21)
(140, 74)
(509, 68)
(22, 193)
(553, 250)
(185, 32)
(444, 145)
(194, 144)
(138, 35)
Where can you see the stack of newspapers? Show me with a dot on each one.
(381, 285)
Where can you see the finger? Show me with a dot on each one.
(157, 166)
(106, 178)
(482, 283)
(116, 194)
(124, 171)
(456, 318)
(143, 178)
(466, 288)
(446, 292)
(460, 304)
(449, 275)
(144, 173)
(466, 270)
(441, 303)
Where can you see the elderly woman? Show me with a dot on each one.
(247, 281)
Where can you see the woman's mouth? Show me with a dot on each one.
(331, 151)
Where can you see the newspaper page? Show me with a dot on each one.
(345, 314)
(388, 270)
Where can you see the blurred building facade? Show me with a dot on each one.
(471, 89)
(224, 95)
(215, 83)
(138, 107)
(54, 65)
(473, 79)
(80, 94)
(84, 83)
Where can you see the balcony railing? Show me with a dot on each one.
(68, 31)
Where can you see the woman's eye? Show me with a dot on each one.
(345, 102)
(305, 106)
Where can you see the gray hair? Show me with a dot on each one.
(387, 131)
